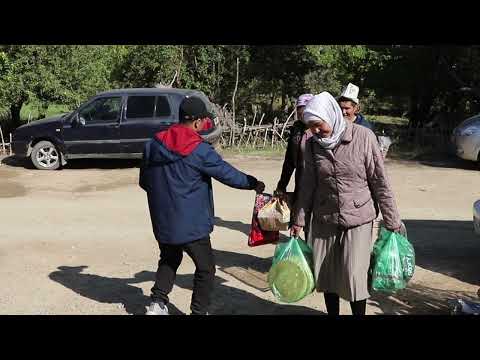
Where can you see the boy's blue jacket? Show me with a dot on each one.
(176, 173)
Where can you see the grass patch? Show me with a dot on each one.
(406, 152)
(31, 110)
(276, 152)
(387, 120)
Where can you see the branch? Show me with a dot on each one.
(234, 93)
(173, 80)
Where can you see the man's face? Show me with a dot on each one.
(300, 110)
(349, 110)
(321, 128)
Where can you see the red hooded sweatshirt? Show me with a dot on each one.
(179, 139)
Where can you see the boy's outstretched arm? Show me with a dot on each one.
(214, 166)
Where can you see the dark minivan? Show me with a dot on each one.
(113, 124)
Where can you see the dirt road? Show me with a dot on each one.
(79, 241)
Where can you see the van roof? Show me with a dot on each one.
(151, 91)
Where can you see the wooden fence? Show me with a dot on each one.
(255, 133)
(259, 133)
(6, 147)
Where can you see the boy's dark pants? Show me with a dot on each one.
(170, 258)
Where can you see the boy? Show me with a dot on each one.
(176, 173)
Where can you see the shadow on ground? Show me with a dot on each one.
(447, 160)
(104, 164)
(107, 290)
(15, 161)
(78, 164)
(226, 300)
(418, 300)
(447, 247)
(233, 225)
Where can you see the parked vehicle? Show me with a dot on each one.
(113, 124)
(466, 139)
(476, 217)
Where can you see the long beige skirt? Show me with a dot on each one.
(342, 259)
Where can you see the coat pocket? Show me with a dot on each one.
(361, 199)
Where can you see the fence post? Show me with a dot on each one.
(3, 141)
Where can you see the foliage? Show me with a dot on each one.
(419, 82)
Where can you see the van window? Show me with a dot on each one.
(140, 107)
(102, 109)
(163, 107)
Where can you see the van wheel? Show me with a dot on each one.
(45, 156)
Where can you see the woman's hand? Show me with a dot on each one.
(280, 194)
(295, 230)
(400, 230)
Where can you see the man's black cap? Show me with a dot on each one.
(193, 108)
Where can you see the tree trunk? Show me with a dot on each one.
(420, 107)
(15, 114)
(271, 104)
(284, 97)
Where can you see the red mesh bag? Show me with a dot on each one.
(257, 235)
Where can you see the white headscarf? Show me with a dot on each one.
(324, 107)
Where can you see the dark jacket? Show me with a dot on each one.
(176, 173)
(360, 120)
(293, 156)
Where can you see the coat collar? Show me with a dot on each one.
(348, 134)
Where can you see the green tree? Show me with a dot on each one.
(148, 65)
(428, 78)
(208, 68)
(52, 74)
(279, 72)
(19, 77)
(337, 65)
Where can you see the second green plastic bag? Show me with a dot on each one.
(393, 262)
(291, 277)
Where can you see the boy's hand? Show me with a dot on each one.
(260, 187)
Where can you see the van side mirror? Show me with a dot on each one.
(77, 120)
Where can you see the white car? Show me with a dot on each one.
(466, 139)
(476, 219)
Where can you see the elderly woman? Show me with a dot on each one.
(344, 177)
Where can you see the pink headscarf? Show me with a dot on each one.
(304, 99)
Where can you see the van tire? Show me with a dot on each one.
(45, 156)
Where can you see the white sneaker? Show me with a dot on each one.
(156, 308)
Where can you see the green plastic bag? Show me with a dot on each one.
(393, 262)
(291, 277)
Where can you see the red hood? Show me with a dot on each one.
(208, 124)
(179, 139)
